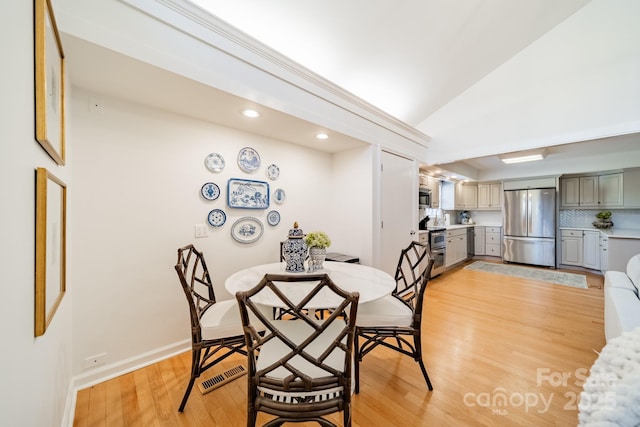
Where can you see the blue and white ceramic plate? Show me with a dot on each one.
(214, 162)
(247, 229)
(279, 196)
(248, 194)
(273, 172)
(273, 218)
(248, 160)
(210, 191)
(216, 218)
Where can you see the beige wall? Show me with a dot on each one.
(35, 372)
(138, 173)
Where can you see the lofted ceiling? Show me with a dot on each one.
(407, 58)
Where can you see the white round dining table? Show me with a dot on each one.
(369, 282)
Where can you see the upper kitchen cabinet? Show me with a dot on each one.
(432, 184)
(490, 196)
(458, 196)
(589, 191)
(631, 185)
(611, 190)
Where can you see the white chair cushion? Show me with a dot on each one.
(386, 311)
(223, 320)
(297, 331)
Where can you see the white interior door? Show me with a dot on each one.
(398, 193)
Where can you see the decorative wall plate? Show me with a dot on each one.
(216, 218)
(273, 172)
(248, 160)
(210, 191)
(247, 194)
(273, 218)
(279, 196)
(214, 162)
(247, 229)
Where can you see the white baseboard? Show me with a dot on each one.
(113, 370)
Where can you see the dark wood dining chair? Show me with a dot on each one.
(395, 320)
(300, 368)
(216, 327)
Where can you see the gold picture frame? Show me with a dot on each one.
(51, 242)
(49, 84)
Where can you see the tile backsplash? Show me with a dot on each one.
(622, 218)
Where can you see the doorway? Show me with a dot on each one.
(398, 193)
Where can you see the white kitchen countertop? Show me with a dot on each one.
(456, 226)
(614, 233)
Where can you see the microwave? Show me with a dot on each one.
(424, 197)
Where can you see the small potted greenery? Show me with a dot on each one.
(604, 220)
(318, 242)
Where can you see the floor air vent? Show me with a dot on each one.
(219, 380)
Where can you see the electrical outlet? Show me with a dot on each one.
(93, 361)
(201, 230)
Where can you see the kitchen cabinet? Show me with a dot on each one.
(606, 190)
(469, 199)
(631, 188)
(458, 196)
(591, 249)
(570, 192)
(456, 246)
(490, 196)
(604, 253)
(589, 191)
(493, 241)
(572, 247)
(479, 240)
(583, 248)
(611, 190)
(434, 186)
(423, 237)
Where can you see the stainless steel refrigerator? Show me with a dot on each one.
(530, 226)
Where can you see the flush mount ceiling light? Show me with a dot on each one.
(250, 113)
(523, 156)
(322, 135)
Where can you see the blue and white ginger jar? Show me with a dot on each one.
(294, 250)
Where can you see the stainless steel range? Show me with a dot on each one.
(438, 246)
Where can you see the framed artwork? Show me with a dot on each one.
(51, 241)
(49, 84)
(247, 194)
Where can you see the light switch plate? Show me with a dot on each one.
(201, 230)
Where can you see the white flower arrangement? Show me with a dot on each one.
(317, 239)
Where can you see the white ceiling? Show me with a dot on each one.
(407, 58)
(105, 72)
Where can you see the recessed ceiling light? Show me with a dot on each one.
(322, 135)
(251, 113)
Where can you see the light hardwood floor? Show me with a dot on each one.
(499, 350)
